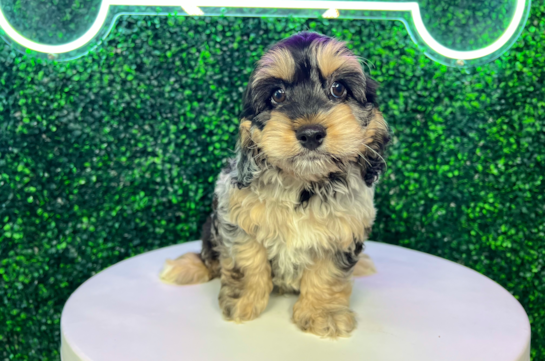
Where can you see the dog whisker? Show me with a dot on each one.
(374, 151)
(365, 159)
(366, 62)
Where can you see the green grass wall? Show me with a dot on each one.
(116, 153)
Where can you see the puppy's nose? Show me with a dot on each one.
(311, 136)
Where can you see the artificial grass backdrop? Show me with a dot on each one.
(116, 153)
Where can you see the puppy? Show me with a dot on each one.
(293, 209)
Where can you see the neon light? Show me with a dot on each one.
(192, 10)
(331, 8)
(57, 49)
(331, 14)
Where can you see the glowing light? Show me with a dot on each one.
(331, 7)
(331, 14)
(57, 49)
(192, 10)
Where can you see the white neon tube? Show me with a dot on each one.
(57, 49)
(412, 7)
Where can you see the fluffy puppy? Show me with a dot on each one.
(294, 208)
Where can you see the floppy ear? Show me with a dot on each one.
(371, 87)
(246, 165)
(248, 108)
(377, 137)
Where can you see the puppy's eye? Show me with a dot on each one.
(278, 96)
(338, 90)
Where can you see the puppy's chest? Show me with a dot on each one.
(289, 221)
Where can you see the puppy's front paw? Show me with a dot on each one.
(332, 323)
(243, 308)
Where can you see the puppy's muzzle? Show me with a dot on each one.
(311, 136)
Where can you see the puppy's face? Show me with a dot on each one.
(309, 109)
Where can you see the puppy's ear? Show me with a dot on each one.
(248, 108)
(377, 137)
(362, 86)
(371, 87)
(246, 166)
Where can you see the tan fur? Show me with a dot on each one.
(344, 132)
(187, 269)
(322, 308)
(277, 63)
(246, 282)
(256, 135)
(377, 127)
(268, 211)
(332, 56)
(364, 267)
(280, 145)
(244, 132)
(278, 139)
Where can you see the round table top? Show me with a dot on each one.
(417, 307)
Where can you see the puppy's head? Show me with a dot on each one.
(310, 110)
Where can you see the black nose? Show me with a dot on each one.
(311, 136)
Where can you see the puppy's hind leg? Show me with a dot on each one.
(364, 267)
(193, 268)
(187, 269)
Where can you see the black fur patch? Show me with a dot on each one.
(215, 203)
(208, 251)
(373, 165)
(303, 99)
(236, 274)
(305, 196)
(338, 178)
(359, 248)
(347, 260)
(261, 119)
(371, 87)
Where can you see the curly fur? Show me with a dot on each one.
(285, 216)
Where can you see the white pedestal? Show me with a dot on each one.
(416, 308)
